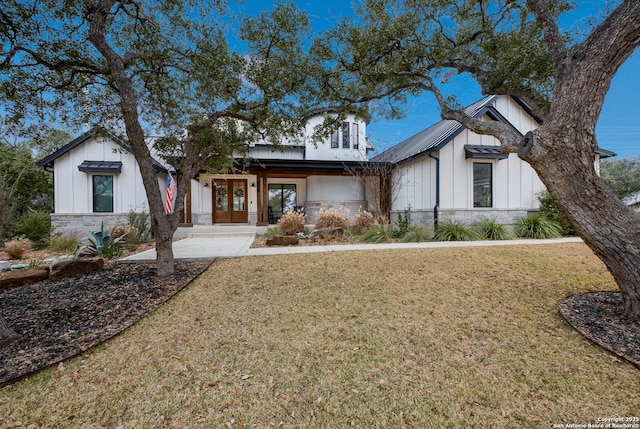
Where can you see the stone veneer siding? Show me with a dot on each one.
(424, 218)
(82, 224)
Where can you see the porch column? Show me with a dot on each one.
(263, 200)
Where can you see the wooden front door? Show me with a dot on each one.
(230, 201)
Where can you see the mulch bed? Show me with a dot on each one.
(60, 319)
(598, 316)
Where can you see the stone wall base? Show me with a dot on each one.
(424, 218)
(80, 225)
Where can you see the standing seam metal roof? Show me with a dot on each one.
(434, 137)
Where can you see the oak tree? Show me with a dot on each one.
(396, 48)
(163, 67)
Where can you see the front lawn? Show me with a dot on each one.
(428, 338)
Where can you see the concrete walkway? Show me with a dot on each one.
(230, 241)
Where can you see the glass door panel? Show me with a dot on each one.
(239, 195)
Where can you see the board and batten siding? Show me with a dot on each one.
(323, 151)
(515, 183)
(73, 189)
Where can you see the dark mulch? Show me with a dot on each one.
(598, 316)
(60, 319)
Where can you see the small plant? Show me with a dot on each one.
(140, 225)
(452, 230)
(34, 262)
(364, 221)
(549, 209)
(272, 231)
(378, 234)
(36, 226)
(404, 222)
(538, 226)
(17, 247)
(63, 243)
(490, 229)
(414, 234)
(292, 222)
(331, 218)
(100, 243)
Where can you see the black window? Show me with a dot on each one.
(282, 198)
(356, 134)
(334, 140)
(102, 194)
(345, 135)
(482, 185)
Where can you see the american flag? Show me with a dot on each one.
(171, 190)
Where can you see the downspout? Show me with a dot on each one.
(437, 206)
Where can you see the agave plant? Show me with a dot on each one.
(100, 243)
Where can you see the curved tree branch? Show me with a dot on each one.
(552, 36)
(509, 138)
(614, 40)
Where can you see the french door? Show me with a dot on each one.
(230, 201)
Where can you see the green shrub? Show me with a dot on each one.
(331, 218)
(490, 229)
(140, 224)
(414, 234)
(549, 209)
(364, 221)
(538, 226)
(452, 230)
(404, 223)
(272, 231)
(63, 243)
(36, 226)
(100, 243)
(292, 222)
(378, 234)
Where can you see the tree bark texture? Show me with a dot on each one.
(163, 225)
(562, 150)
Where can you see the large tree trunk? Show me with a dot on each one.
(7, 335)
(608, 227)
(163, 224)
(562, 150)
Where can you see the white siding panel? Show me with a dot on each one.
(322, 150)
(334, 188)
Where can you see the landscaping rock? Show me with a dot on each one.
(282, 240)
(23, 277)
(75, 267)
(327, 233)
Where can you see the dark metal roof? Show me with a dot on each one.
(301, 164)
(604, 153)
(101, 166)
(48, 161)
(484, 152)
(437, 135)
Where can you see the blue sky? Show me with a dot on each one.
(618, 128)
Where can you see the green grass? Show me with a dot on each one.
(422, 338)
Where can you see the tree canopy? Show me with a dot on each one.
(163, 67)
(622, 175)
(395, 48)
